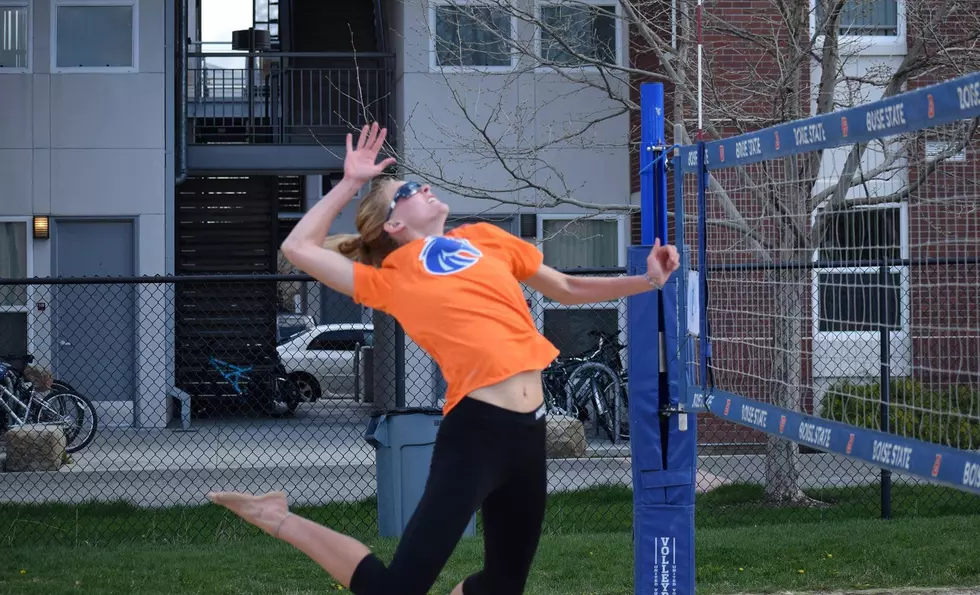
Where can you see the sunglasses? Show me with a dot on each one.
(407, 190)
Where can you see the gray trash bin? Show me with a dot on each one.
(403, 441)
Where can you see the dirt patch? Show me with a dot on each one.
(709, 481)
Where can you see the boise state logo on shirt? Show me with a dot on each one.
(447, 256)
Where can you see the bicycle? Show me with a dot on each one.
(23, 404)
(592, 381)
(285, 397)
(617, 387)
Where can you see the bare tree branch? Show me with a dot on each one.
(758, 71)
(908, 67)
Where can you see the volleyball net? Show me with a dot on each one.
(835, 267)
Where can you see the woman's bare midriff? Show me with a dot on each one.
(521, 393)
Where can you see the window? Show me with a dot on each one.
(948, 143)
(852, 302)
(573, 242)
(569, 32)
(580, 243)
(862, 234)
(870, 18)
(14, 37)
(471, 36)
(850, 297)
(15, 262)
(569, 329)
(95, 37)
(341, 340)
(504, 223)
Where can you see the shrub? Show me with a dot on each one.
(949, 416)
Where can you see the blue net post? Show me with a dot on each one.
(663, 439)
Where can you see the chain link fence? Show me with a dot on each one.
(261, 384)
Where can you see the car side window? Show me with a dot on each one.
(337, 341)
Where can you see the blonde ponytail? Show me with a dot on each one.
(373, 244)
(349, 245)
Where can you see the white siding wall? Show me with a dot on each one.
(525, 107)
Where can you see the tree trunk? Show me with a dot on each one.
(782, 475)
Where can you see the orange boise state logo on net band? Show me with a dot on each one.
(843, 125)
(939, 458)
(776, 134)
(932, 105)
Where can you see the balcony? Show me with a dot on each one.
(280, 112)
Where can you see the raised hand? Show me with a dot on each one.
(662, 262)
(361, 164)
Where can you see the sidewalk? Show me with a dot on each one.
(319, 456)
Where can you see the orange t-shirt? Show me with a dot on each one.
(459, 298)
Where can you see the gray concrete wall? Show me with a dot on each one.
(95, 144)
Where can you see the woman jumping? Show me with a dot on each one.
(458, 296)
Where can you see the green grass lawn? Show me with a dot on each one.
(596, 510)
(842, 554)
(587, 548)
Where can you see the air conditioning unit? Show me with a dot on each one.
(251, 40)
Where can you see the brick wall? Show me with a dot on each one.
(944, 223)
(742, 308)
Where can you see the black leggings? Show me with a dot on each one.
(484, 457)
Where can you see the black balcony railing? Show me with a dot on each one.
(285, 97)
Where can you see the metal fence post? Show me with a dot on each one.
(884, 339)
(399, 366)
(357, 372)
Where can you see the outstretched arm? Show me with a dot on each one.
(573, 290)
(304, 245)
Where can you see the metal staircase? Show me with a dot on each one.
(325, 68)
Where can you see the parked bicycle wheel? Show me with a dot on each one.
(61, 386)
(74, 412)
(555, 399)
(285, 396)
(596, 390)
(613, 390)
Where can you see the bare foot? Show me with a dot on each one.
(265, 512)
